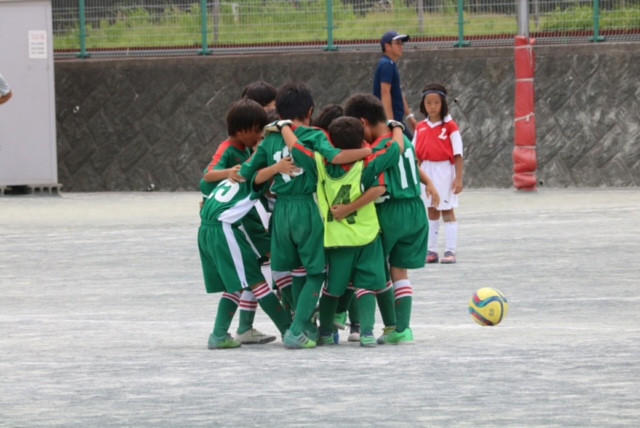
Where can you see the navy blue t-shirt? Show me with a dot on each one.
(387, 72)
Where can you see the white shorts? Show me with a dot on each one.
(442, 175)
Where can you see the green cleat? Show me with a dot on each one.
(290, 341)
(327, 340)
(368, 340)
(225, 342)
(340, 321)
(313, 333)
(401, 338)
(384, 339)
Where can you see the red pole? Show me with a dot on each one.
(524, 152)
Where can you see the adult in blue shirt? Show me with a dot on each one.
(386, 82)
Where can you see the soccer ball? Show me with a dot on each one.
(488, 306)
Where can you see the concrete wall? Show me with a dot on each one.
(124, 124)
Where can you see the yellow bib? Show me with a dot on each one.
(357, 229)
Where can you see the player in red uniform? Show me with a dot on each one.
(439, 149)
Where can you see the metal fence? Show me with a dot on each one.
(84, 28)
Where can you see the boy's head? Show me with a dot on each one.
(392, 44)
(245, 121)
(295, 102)
(328, 114)
(272, 115)
(346, 133)
(261, 92)
(368, 109)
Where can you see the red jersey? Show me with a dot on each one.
(433, 140)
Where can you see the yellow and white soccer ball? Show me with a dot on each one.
(488, 306)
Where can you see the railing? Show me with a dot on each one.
(115, 28)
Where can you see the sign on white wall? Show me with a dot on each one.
(37, 44)
(28, 121)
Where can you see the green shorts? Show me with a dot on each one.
(297, 235)
(257, 234)
(364, 266)
(405, 231)
(228, 261)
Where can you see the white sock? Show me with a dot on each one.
(248, 301)
(451, 236)
(434, 227)
(402, 289)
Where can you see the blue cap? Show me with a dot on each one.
(390, 36)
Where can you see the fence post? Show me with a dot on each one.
(596, 22)
(203, 13)
(330, 45)
(83, 31)
(525, 161)
(461, 43)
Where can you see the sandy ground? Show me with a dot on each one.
(104, 322)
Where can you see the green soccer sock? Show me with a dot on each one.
(367, 304)
(297, 284)
(272, 307)
(226, 310)
(328, 306)
(404, 300)
(344, 303)
(247, 314)
(354, 311)
(282, 281)
(307, 302)
(386, 304)
(287, 298)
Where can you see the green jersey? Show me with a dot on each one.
(229, 202)
(403, 179)
(226, 156)
(273, 149)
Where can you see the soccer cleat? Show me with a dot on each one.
(367, 340)
(449, 258)
(340, 321)
(225, 342)
(254, 337)
(432, 257)
(354, 331)
(312, 333)
(401, 338)
(327, 340)
(382, 340)
(315, 316)
(290, 341)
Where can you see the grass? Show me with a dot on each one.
(278, 22)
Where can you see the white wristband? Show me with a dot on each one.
(410, 116)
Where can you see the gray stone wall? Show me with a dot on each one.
(124, 124)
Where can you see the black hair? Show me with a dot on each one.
(293, 101)
(245, 115)
(261, 92)
(365, 106)
(272, 116)
(442, 92)
(328, 114)
(346, 133)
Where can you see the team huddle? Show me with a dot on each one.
(347, 221)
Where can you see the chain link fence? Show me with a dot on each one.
(117, 28)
